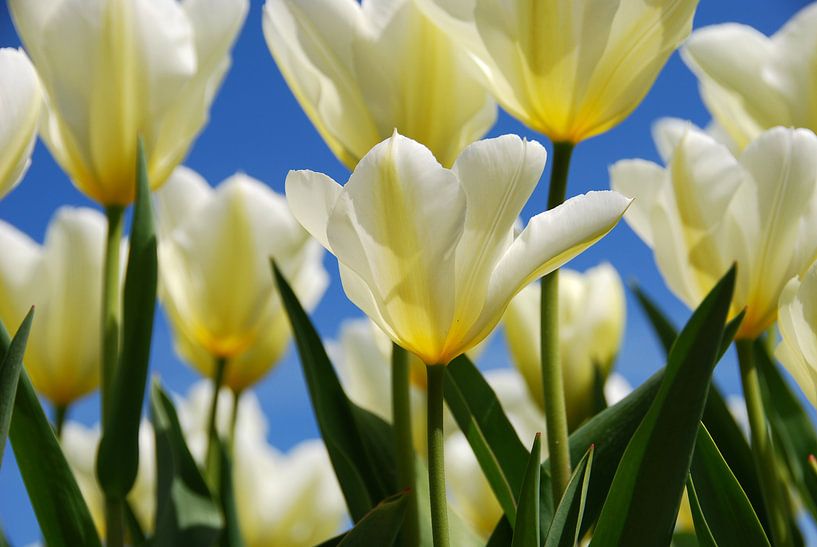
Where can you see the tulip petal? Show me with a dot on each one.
(550, 240)
(311, 197)
(730, 61)
(780, 198)
(180, 199)
(397, 225)
(643, 181)
(797, 318)
(498, 176)
(18, 263)
(312, 43)
(21, 98)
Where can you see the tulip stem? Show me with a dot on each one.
(552, 381)
(234, 420)
(436, 455)
(762, 449)
(111, 304)
(212, 459)
(114, 522)
(404, 445)
(60, 413)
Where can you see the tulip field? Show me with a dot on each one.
(524, 273)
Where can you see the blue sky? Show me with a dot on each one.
(257, 127)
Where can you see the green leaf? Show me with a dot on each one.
(55, 496)
(526, 531)
(502, 536)
(186, 513)
(718, 418)
(478, 412)
(3, 541)
(10, 367)
(702, 531)
(663, 327)
(359, 443)
(118, 456)
(380, 526)
(642, 504)
(791, 427)
(231, 537)
(565, 528)
(723, 503)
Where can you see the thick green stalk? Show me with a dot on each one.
(404, 444)
(213, 458)
(762, 449)
(114, 522)
(552, 381)
(60, 413)
(233, 421)
(436, 455)
(111, 303)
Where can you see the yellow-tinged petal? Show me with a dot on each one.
(215, 278)
(750, 82)
(569, 68)
(797, 320)
(360, 71)
(114, 70)
(62, 278)
(21, 100)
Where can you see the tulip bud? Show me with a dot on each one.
(115, 70)
(216, 284)
(797, 321)
(568, 69)
(389, 68)
(21, 98)
(591, 325)
(63, 279)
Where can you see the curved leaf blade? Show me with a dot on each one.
(642, 503)
(61, 512)
(10, 366)
(565, 528)
(118, 456)
(526, 532)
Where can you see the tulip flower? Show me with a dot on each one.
(215, 279)
(798, 329)
(710, 208)
(21, 98)
(751, 82)
(113, 70)
(79, 445)
(591, 321)
(362, 70)
(429, 253)
(568, 69)
(62, 279)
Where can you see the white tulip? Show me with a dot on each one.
(798, 330)
(114, 70)
(570, 69)
(591, 325)
(63, 279)
(751, 82)
(360, 70)
(709, 208)
(429, 253)
(20, 106)
(216, 279)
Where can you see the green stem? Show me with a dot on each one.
(436, 455)
(762, 449)
(404, 444)
(234, 421)
(211, 466)
(60, 413)
(111, 302)
(114, 522)
(552, 381)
